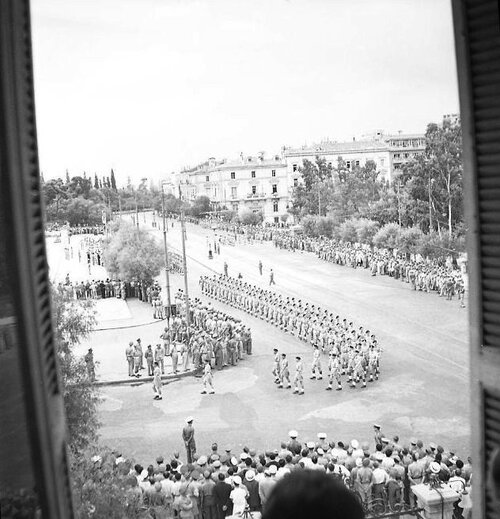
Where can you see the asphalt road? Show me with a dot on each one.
(423, 391)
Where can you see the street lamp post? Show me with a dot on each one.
(165, 249)
(184, 266)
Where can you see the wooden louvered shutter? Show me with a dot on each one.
(477, 39)
(26, 258)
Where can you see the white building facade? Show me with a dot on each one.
(254, 183)
(265, 184)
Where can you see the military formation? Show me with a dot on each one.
(212, 340)
(353, 353)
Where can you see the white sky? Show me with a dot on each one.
(149, 86)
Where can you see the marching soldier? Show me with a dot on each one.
(317, 372)
(276, 369)
(298, 380)
(284, 372)
(334, 371)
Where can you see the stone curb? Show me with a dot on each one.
(147, 323)
(132, 380)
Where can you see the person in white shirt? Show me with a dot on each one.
(238, 496)
(380, 478)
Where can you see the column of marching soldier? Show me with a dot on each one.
(353, 352)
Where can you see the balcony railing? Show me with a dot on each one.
(256, 195)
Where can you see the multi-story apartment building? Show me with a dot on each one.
(256, 183)
(266, 184)
(354, 153)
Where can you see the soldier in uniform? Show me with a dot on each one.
(276, 368)
(317, 372)
(157, 382)
(298, 380)
(149, 360)
(207, 378)
(284, 372)
(188, 437)
(159, 357)
(129, 355)
(334, 370)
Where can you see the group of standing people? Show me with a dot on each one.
(213, 340)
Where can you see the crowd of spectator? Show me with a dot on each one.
(443, 276)
(233, 482)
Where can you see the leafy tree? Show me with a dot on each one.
(388, 236)
(248, 217)
(73, 321)
(356, 188)
(113, 180)
(200, 206)
(347, 231)
(82, 211)
(67, 177)
(410, 239)
(132, 254)
(312, 195)
(96, 181)
(434, 180)
(365, 230)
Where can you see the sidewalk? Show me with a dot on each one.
(114, 314)
(121, 322)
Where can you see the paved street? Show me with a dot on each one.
(423, 390)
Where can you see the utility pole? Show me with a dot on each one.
(430, 204)
(319, 199)
(136, 213)
(184, 266)
(165, 249)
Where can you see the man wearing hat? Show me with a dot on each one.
(293, 444)
(188, 437)
(266, 486)
(252, 486)
(377, 434)
(322, 443)
(129, 354)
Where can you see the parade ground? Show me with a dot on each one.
(423, 391)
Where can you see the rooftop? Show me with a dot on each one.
(338, 147)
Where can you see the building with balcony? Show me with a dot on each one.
(265, 184)
(388, 151)
(256, 183)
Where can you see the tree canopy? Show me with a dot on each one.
(132, 254)
(73, 321)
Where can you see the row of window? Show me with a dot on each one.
(253, 174)
(408, 143)
(235, 206)
(349, 163)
